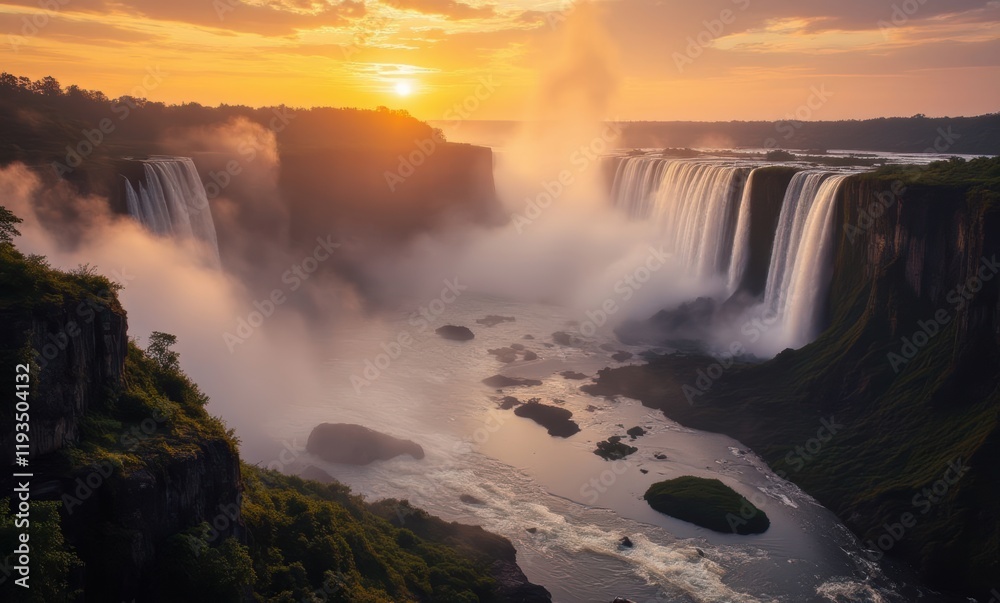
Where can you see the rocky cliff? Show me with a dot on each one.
(890, 418)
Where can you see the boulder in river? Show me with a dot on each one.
(455, 333)
(558, 421)
(357, 445)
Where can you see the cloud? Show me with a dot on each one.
(451, 9)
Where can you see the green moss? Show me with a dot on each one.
(708, 503)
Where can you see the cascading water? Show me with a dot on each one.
(741, 241)
(695, 203)
(801, 262)
(170, 200)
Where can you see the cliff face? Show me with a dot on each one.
(906, 371)
(79, 348)
(390, 192)
(767, 193)
(117, 518)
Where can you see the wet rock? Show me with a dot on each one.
(625, 542)
(493, 320)
(357, 445)
(573, 375)
(455, 333)
(532, 530)
(613, 449)
(470, 500)
(660, 456)
(635, 432)
(621, 356)
(558, 421)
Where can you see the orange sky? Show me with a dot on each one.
(645, 59)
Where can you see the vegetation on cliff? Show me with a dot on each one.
(149, 444)
(878, 428)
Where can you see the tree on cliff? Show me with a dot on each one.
(8, 228)
(159, 350)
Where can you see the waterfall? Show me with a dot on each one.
(693, 202)
(741, 241)
(170, 200)
(801, 260)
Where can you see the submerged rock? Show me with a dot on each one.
(573, 375)
(558, 421)
(621, 356)
(493, 320)
(529, 355)
(455, 333)
(505, 381)
(509, 402)
(357, 445)
(625, 542)
(470, 500)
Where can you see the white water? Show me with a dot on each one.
(694, 202)
(704, 209)
(577, 504)
(741, 241)
(801, 260)
(170, 200)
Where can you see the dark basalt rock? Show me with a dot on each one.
(635, 432)
(357, 445)
(558, 421)
(455, 333)
(613, 449)
(505, 381)
(625, 542)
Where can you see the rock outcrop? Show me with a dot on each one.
(357, 445)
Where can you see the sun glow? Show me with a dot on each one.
(404, 88)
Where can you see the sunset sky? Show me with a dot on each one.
(658, 59)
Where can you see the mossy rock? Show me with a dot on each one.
(707, 503)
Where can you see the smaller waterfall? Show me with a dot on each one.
(741, 241)
(801, 261)
(170, 200)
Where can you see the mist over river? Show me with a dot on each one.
(578, 505)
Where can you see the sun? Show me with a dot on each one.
(404, 88)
